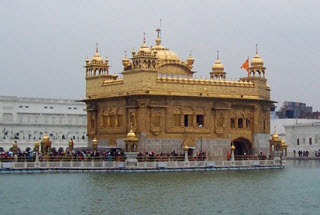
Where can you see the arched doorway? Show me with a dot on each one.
(242, 145)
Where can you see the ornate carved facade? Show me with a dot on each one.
(168, 108)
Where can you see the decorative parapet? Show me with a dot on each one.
(112, 82)
(189, 80)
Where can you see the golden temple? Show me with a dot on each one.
(168, 108)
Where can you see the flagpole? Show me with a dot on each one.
(249, 70)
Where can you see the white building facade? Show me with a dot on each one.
(299, 134)
(304, 137)
(26, 120)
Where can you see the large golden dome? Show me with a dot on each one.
(163, 53)
(166, 54)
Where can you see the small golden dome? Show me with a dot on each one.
(133, 52)
(190, 60)
(94, 141)
(275, 136)
(186, 147)
(283, 143)
(87, 60)
(158, 41)
(131, 134)
(45, 137)
(233, 147)
(70, 141)
(96, 58)
(217, 66)
(14, 144)
(257, 61)
(125, 60)
(36, 144)
(144, 49)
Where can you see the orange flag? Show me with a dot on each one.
(245, 65)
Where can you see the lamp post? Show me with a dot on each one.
(186, 148)
(36, 149)
(70, 145)
(94, 145)
(232, 152)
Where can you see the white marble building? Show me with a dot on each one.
(25, 120)
(299, 134)
(303, 137)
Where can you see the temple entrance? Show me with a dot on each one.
(243, 146)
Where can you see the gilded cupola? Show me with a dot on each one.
(97, 67)
(96, 57)
(257, 60)
(190, 61)
(217, 69)
(125, 61)
(144, 49)
(257, 69)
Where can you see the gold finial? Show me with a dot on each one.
(232, 147)
(256, 48)
(217, 54)
(186, 148)
(160, 28)
(144, 37)
(125, 53)
(158, 32)
(190, 53)
(97, 47)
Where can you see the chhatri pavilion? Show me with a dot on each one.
(167, 108)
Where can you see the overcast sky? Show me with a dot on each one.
(44, 44)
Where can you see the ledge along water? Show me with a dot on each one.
(113, 166)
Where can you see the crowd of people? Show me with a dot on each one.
(84, 155)
(173, 156)
(87, 155)
(304, 153)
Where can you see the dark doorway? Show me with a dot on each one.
(243, 146)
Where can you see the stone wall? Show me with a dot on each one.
(261, 143)
(212, 147)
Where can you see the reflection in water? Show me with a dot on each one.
(293, 190)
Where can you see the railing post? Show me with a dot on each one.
(36, 163)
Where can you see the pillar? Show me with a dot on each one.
(232, 152)
(186, 148)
